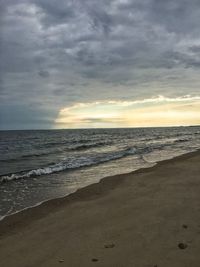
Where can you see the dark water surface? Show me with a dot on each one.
(43, 164)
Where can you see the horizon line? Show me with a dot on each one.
(95, 128)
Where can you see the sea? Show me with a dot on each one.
(39, 165)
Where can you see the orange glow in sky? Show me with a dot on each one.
(158, 111)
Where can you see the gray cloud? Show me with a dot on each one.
(55, 54)
(43, 73)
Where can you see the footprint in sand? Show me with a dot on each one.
(182, 245)
(94, 260)
(109, 245)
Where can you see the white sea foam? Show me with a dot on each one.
(73, 164)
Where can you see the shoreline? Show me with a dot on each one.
(42, 201)
(147, 218)
(42, 209)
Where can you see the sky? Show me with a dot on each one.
(91, 63)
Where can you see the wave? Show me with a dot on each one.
(75, 147)
(89, 145)
(30, 156)
(75, 163)
(66, 143)
(182, 140)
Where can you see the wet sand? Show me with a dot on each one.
(148, 218)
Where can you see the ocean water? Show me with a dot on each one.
(39, 165)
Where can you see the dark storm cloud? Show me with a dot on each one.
(50, 49)
(43, 73)
(195, 49)
(54, 13)
(25, 116)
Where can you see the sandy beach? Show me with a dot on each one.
(148, 218)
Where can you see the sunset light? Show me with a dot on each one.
(157, 111)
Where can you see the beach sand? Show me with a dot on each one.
(148, 218)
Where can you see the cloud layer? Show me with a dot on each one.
(55, 54)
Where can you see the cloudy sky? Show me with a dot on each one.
(91, 63)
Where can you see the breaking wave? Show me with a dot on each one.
(73, 163)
